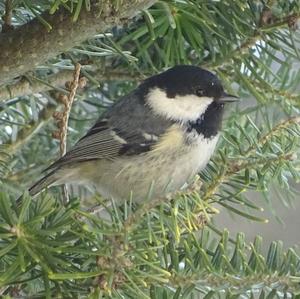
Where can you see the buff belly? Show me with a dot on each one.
(136, 176)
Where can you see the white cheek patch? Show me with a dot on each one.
(181, 108)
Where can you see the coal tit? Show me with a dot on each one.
(157, 137)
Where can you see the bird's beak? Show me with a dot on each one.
(227, 98)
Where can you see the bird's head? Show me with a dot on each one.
(184, 93)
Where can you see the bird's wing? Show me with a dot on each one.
(128, 128)
(105, 142)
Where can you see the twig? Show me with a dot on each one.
(264, 139)
(56, 81)
(7, 26)
(21, 174)
(264, 88)
(27, 132)
(237, 166)
(3, 289)
(25, 87)
(95, 209)
(221, 282)
(250, 41)
(63, 118)
(68, 105)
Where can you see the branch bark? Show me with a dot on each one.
(7, 16)
(57, 80)
(31, 44)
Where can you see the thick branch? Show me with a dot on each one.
(31, 44)
(24, 87)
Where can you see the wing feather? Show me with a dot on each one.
(105, 144)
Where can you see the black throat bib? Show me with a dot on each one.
(209, 124)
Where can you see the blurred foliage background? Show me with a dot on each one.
(169, 248)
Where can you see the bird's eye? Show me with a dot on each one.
(199, 92)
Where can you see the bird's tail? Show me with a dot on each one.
(43, 183)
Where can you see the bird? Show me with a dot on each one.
(149, 143)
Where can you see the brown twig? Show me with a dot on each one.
(68, 105)
(7, 26)
(56, 82)
(63, 117)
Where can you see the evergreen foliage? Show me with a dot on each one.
(170, 247)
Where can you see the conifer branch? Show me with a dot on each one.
(238, 165)
(273, 132)
(19, 175)
(165, 247)
(134, 218)
(243, 49)
(264, 88)
(25, 134)
(57, 81)
(33, 43)
(221, 282)
(24, 87)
